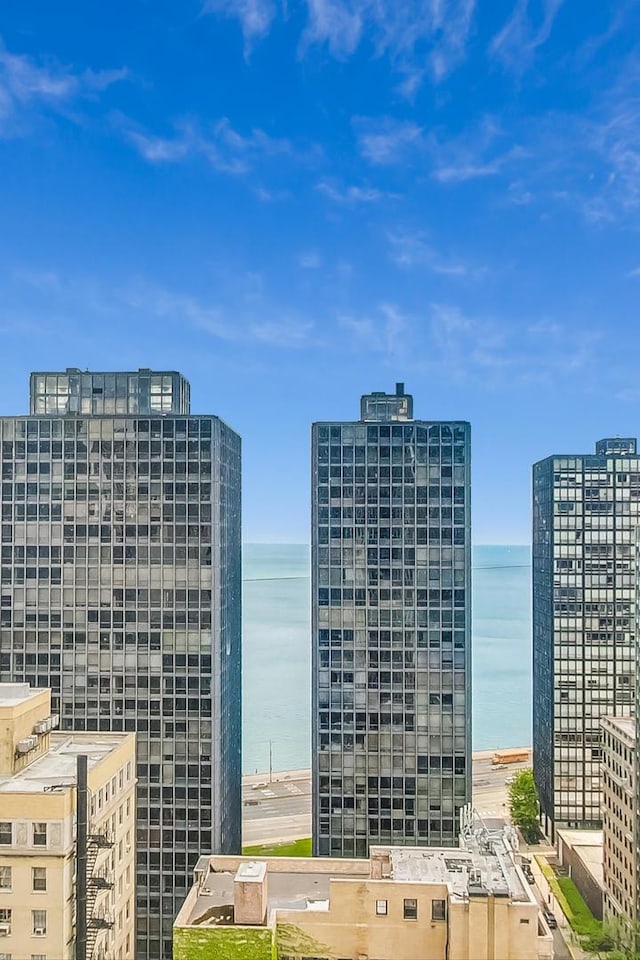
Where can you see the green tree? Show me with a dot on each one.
(618, 940)
(524, 805)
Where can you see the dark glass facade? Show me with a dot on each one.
(391, 628)
(121, 590)
(585, 511)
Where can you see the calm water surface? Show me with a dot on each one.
(276, 652)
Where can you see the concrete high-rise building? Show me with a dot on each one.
(391, 628)
(121, 590)
(585, 509)
(43, 835)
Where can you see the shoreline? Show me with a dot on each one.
(304, 773)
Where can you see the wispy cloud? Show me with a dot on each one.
(386, 330)
(224, 148)
(387, 140)
(477, 153)
(468, 346)
(309, 260)
(351, 195)
(29, 85)
(255, 16)
(419, 37)
(516, 43)
(409, 249)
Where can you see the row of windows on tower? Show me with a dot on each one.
(399, 433)
(81, 429)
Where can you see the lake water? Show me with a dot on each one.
(277, 663)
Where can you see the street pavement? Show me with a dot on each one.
(279, 810)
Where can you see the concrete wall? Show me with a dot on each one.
(591, 891)
(16, 722)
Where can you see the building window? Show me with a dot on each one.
(5, 832)
(5, 878)
(410, 909)
(38, 956)
(39, 918)
(40, 834)
(5, 956)
(438, 910)
(5, 921)
(381, 908)
(39, 879)
(524, 920)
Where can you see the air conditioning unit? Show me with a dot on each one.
(5, 929)
(42, 726)
(26, 744)
(39, 931)
(55, 719)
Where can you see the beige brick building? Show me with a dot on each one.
(403, 903)
(38, 847)
(619, 817)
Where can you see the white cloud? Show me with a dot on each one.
(387, 141)
(226, 150)
(466, 346)
(386, 331)
(477, 153)
(515, 45)
(280, 330)
(28, 85)
(255, 16)
(412, 249)
(350, 195)
(309, 260)
(419, 37)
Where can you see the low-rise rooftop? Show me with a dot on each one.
(12, 694)
(58, 766)
(482, 866)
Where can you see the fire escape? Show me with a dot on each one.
(99, 879)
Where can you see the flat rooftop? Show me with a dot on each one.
(483, 867)
(589, 846)
(290, 887)
(58, 766)
(467, 873)
(12, 694)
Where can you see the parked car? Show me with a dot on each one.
(528, 874)
(509, 780)
(552, 923)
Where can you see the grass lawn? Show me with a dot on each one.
(296, 848)
(578, 914)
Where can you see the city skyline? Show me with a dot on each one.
(440, 193)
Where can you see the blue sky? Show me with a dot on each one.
(297, 202)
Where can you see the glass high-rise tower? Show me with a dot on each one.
(585, 511)
(121, 590)
(391, 628)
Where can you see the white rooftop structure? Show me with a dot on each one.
(57, 768)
